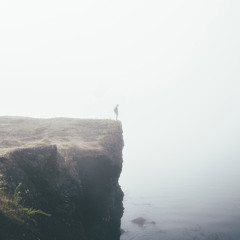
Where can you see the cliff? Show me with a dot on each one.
(59, 179)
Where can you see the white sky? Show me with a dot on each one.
(71, 58)
(172, 66)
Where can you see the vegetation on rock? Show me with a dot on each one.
(13, 209)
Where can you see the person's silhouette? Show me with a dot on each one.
(116, 111)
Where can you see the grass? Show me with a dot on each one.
(14, 211)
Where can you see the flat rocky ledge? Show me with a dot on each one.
(85, 135)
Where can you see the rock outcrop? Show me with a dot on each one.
(59, 179)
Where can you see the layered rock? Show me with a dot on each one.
(69, 169)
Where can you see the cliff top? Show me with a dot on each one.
(89, 135)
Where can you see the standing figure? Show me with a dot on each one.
(116, 111)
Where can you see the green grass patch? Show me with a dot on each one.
(12, 208)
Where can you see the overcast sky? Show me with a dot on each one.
(172, 66)
(80, 58)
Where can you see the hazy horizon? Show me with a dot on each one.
(172, 66)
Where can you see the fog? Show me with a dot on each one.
(172, 66)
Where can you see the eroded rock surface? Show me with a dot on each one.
(68, 168)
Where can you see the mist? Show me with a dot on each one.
(173, 68)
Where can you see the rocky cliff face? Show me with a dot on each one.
(59, 179)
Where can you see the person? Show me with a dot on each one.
(116, 111)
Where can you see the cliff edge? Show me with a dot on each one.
(59, 179)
